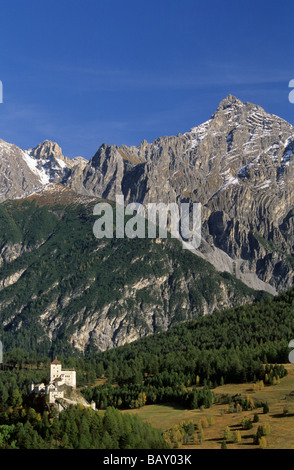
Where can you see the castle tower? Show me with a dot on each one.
(55, 370)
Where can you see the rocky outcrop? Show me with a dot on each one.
(9, 280)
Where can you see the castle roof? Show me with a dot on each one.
(56, 361)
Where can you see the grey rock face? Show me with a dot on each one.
(49, 159)
(17, 176)
(238, 164)
(25, 171)
(103, 175)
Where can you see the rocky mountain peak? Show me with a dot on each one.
(47, 150)
(230, 101)
(50, 159)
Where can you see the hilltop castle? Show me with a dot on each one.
(59, 380)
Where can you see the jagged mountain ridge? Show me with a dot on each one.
(25, 171)
(223, 151)
(62, 290)
(238, 164)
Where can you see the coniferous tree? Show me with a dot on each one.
(255, 418)
(265, 408)
(224, 445)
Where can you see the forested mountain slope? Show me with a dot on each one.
(62, 289)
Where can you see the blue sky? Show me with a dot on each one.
(85, 72)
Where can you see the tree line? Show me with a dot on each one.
(77, 428)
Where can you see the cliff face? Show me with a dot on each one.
(238, 164)
(16, 176)
(25, 171)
